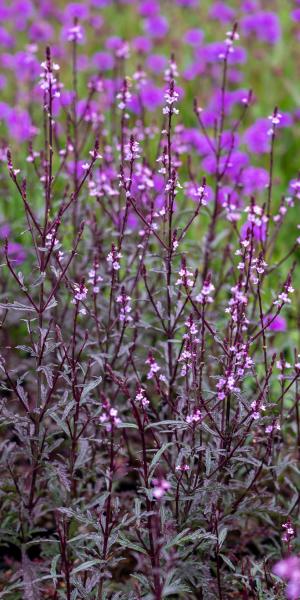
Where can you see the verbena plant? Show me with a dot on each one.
(149, 428)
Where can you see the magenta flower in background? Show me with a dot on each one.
(5, 231)
(220, 11)
(295, 14)
(215, 52)
(22, 11)
(227, 194)
(259, 231)
(77, 10)
(231, 166)
(278, 324)
(142, 44)
(4, 111)
(286, 120)
(256, 137)
(152, 96)
(69, 33)
(289, 570)
(265, 26)
(254, 179)
(149, 8)
(194, 37)
(5, 13)
(16, 253)
(103, 61)
(250, 5)
(20, 125)
(26, 65)
(194, 139)
(231, 98)
(193, 70)
(157, 26)
(235, 76)
(156, 62)
(41, 31)
(6, 39)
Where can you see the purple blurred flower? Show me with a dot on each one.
(26, 65)
(214, 52)
(103, 61)
(230, 99)
(142, 44)
(6, 39)
(152, 96)
(259, 231)
(156, 27)
(254, 179)
(20, 125)
(70, 33)
(249, 5)
(286, 120)
(149, 8)
(77, 10)
(193, 70)
(194, 37)
(256, 137)
(132, 221)
(5, 12)
(231, 165)
(4, 111)
(156, 62)
(114, 42)
(41, 31)
(196, 140)
(295, 14)
(227, 194)
(5, 231)
(263, 25)
(289, 569)
(16, 252)
(235, 76)
(222, 12)
(277, 324)
(23, 6)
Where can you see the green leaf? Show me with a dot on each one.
(89, 387)
(85, 566)
(157, 456)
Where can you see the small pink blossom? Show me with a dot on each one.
(161, 486)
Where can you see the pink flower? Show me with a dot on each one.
(161, 486)
(289, 569)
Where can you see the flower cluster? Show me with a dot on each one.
(113, 258)
(125, 309)
(109, 417)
